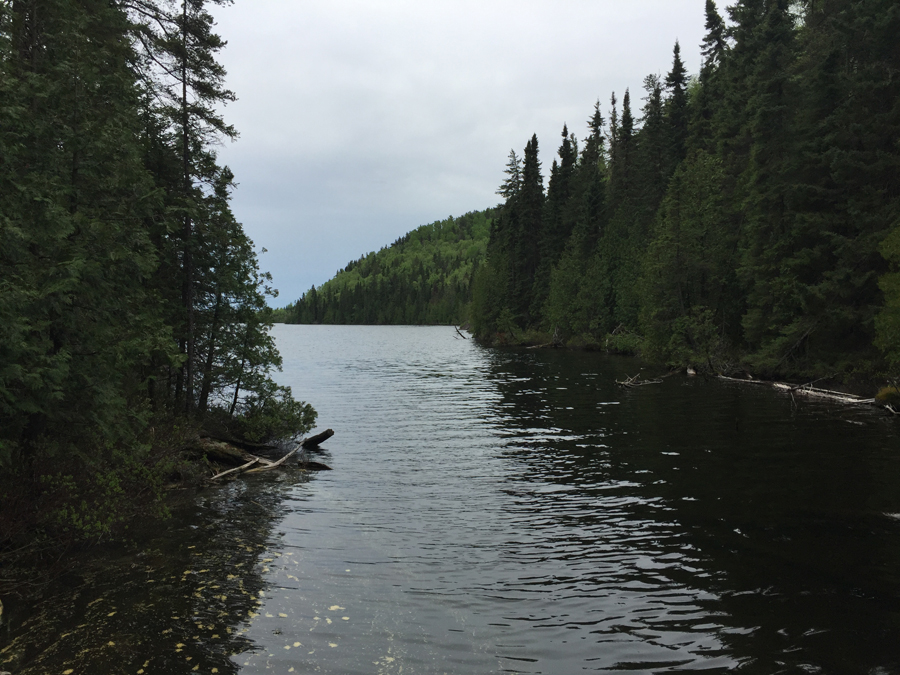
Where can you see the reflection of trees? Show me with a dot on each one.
(176, 604)
(769, 519)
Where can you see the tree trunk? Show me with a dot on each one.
(210, 353)
(187, 231)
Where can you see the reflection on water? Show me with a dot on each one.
(180, 603)
(511, 511)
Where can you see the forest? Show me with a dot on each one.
(747, 218)
(132, 308)
(425, 277)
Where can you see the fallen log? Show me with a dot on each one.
(249, 446)
(636, 381)
(809, 390)
(824, 393)
(236, 469)
(272, 465)
(224, 453)
(314, 441)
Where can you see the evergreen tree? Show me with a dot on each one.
(677, 109)
(708, 92)
(77, 320)
(526, 252)
(558, 221)
(617, 243)
(191, 83)
(513, 182)
(773, 321)
(847, 191)
(690, 312)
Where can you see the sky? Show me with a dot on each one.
(360, 120)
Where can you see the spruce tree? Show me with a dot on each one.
(677, 109)
(708, 93)
(560, 213)
(774, 322)
(526, 250)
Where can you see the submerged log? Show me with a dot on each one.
(226, 453)
(313, 441)
(249, 446)
(636, 381)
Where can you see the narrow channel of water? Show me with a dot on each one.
(509, 511)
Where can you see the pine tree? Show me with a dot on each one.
(191, 83)
(513, 182)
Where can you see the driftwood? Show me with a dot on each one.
(272, 465)
(811, 391)
(815, 392)
(458, 332)
(313, 441)
(227, 452)
(308, 464)
(237, 469)
(636, 381)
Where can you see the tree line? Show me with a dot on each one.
(746, 217)
(131, 301)
(424, 277)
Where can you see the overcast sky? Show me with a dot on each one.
(360, 120)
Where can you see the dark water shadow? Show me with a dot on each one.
(779, 524)
(180, 601)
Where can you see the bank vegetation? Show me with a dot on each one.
(132, 308)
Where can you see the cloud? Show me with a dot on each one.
(360, 121)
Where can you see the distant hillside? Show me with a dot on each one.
(425, 277)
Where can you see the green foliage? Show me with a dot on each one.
(99, 495)
(688, 283)
(747, 218)
(888, 396)
(887, 322)
(270, 412)
(425, 277)
(128, 291)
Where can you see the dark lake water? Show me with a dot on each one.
(508, 511)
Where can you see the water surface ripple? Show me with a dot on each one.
(514, 511)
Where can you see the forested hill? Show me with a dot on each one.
(424, 277)
(748, 217)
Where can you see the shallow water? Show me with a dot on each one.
(508, 511)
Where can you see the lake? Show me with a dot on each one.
(507, 511)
